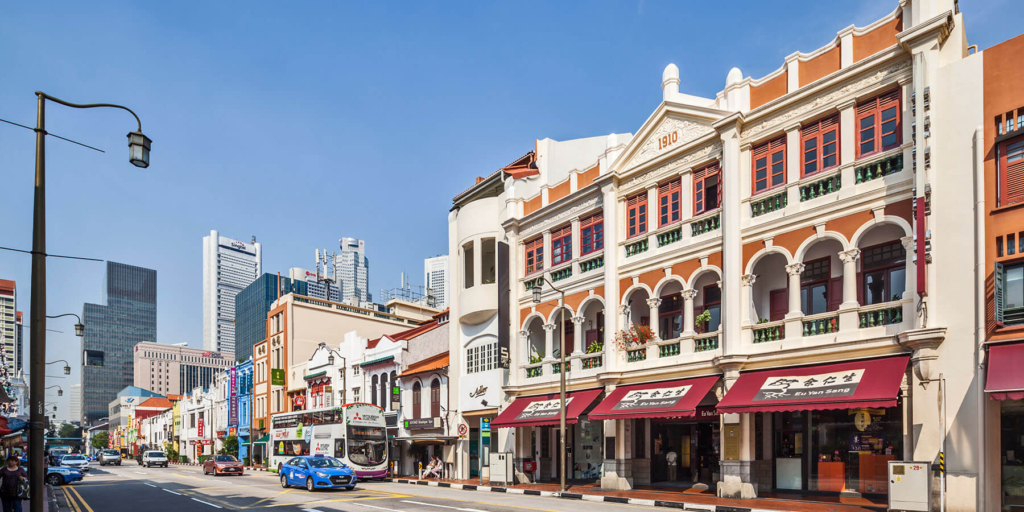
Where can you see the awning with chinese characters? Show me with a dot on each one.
(850, 385)
(533, 411)
(665, 399)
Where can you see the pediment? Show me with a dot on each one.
(671, 132)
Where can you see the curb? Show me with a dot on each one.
(586, 497)
(247, 468)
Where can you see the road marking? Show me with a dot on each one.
(170, 491)
(271, 497)
(81, 499)
(140, 472)
(206, 503)
(378, 508)
(442, 506)
(151, 485)
(71, 500)
(310, 510)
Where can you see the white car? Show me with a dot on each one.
(76, 461)
(154, 458)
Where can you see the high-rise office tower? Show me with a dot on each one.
(76, 402)
(252, 305)
(354, 270)
(315, 288)
(9, 325)
(435, 280)
(111, 332)
(228, 267)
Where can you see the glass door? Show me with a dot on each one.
(474, 452)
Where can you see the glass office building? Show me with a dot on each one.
(111, 332)
(252, 305)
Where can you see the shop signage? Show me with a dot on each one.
(837, 384)
(707, 413)
(543, 409)
(419, 423)
(396, 398)
(232, 431)
(652, 398)
(277, 377)
(485, 425)
(207, 442)
(529, 466)
(200, 427)
(234, 381)
(192, 442)
(732, 442)
(233, 410)
(221, 434)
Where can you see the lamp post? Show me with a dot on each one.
(67, 366)
(138, 155)
(561, 374)
(60, 391)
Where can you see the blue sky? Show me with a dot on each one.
(303, 125)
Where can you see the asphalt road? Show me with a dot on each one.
(132, 488)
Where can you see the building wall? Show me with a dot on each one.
(252, 305)
(8, 322)
(170, 369)
(354, 270)
(228, 267)
(435, 279)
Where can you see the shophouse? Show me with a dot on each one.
(240, 406)
(197, 436)
(426, 429)
(765, 266)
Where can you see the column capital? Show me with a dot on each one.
(846, 104)
(689, 294)
(748, 279)
(524, 333)
(795, 269)
(578, 319)
(849, 256)
(549, 327)
(623, 309)
(908, 243)
(655, 302)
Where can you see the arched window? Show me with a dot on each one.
(416, 400)
(384, 391)
(373, 389)
(435, 399)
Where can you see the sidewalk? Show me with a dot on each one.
(678, 499)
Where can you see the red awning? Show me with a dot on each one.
(1005, 380)
(851, 385)
(665, 399)
(533, 411)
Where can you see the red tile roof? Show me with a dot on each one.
(424, 327)
(175, 398)
(429, 364)
(6, 286)
(157, 402)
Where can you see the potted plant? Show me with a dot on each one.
(595, 347)
(700, 321)
(636, 336)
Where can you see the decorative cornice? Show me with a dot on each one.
(653, 175)
(826, 99)
(688, 130)
(550, 222)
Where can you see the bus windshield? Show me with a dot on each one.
(367, 446)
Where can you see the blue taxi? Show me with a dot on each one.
(317, 472)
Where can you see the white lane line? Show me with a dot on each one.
(151, 485)
(172, 492)
(378, 508)
(442, 506)
(140, 472)
(310, 510)
(206, 503)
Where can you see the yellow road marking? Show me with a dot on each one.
(305, 503)
(71, 500)
(80, 498)
(271, 497)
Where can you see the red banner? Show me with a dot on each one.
(200, 427)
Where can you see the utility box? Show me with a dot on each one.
(501, 468)
(910, 486)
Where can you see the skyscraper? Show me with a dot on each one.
(252, 305)
(111, 332)
(435, 280)
(228, 267)
(9, 325)
(354, 270)
(315, 288)
(76, 402)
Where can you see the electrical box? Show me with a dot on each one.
(910, 486)
(501, 468)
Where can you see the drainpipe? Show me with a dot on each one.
(979, 304)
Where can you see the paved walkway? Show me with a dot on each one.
(673, 498)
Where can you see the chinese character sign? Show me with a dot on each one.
(837, 384)
(651, 398)
(233, 411)
(200, 426)
(542, 409)
(234, 382)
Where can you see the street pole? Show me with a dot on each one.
(37, 336)
(561, 385)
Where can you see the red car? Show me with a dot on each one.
(222, 465)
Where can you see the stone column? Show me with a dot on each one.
(847, 145)
(688, 296)
(910, 308)
(747, 292)
(576, 239)
(626, 320)
(577, 334)
(547, 249)
(849, 259)
(794, 271)
(524, 341)
(549, 336)
(737, 475)
(652, 216)
(732, 244)
(654, 304)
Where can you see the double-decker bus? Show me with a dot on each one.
(353, 433)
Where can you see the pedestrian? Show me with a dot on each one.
(438, 467)
(10, 479)
(670, 458)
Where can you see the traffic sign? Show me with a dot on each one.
(463, 429)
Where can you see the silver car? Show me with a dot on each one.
(76, 461)
(110, 457)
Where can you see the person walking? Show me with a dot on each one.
(10, 479)
(671, 458)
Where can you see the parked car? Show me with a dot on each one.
(317, 472)
(76, 461)
(222, 465)
(110, 457)
(154, 458)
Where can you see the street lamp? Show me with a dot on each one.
(60, 391)
(67, 367)
(562, 370)
(79, 327)
(138, 155)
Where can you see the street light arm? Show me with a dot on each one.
(66, 314)
(89, 105)
(58, 361)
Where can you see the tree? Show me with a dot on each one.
(69, 430)
(101, 441)
(171, 451)
(230, 446)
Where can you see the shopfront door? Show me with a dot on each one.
(474, 452)
(695, 445)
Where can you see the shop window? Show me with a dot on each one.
(670, 317)
(707, 189)
(814, 287)
(668, 202)
(636, 215)
(712, 303)
(769, 165)
(488, 262)
(1009, 293)
(820, 146)
(468, 263)
(878, 124)
(561, 245)
(435, 399)
(535, 255)
(884, 275)
(1011, 171)
(417, 397)
(592, 234)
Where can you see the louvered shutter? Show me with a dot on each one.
(720, 184)
(889, 99)
(835, 293)
(778, 304)
(998, 278)
(1012, 172)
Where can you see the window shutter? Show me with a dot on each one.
(719, 199)
(889, 99)
(997, 278)
(778, 143)
(867, 107)
(829, 122)
(860, 288)
(1013, 189)
(835, 293)
(809, 130)
(779, 304)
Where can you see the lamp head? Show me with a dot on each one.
(138, 149)
(60, 392)
(79, 330)
(330, 360)
(67, 370)
(536, 292)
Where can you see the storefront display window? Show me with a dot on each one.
(1011, 453)
(588, 451)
